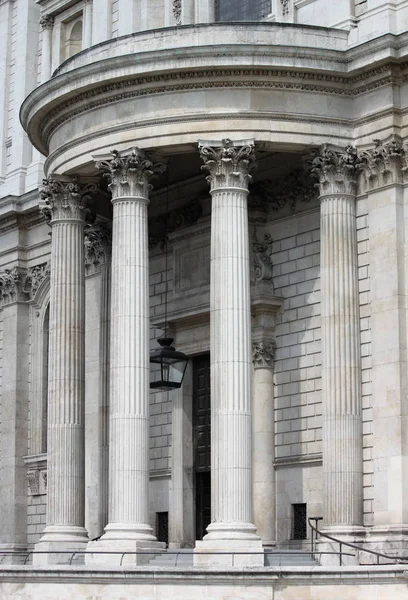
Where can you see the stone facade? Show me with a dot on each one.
(251, 202)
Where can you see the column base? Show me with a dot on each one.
(345, 533)
(58, 544)
(387, 539)
(223, 540)
(120, 553)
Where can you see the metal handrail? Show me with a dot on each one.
(397, 560)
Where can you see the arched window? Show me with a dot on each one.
(73, 43)
(242, 10)
(45, 349)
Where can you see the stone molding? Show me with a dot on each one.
(66, 200)
(256, 78)
(336, 170)
(98, 244)
(263, 353)
(129, 172)
(384, 164)
(47, 21)
(229, 163)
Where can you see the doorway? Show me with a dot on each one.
(202, 442)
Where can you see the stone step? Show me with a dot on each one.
(274, 558)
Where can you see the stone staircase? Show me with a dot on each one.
(273, 558)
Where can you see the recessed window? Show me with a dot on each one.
(299, 524)
(72, 37)
(242, 10)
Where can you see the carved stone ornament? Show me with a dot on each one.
(47, 21)
(66, 199)
(177, 11)
(12, 286)
(271, 195)
(337, 171)
(263, 354)
(228, 165)
(129, 172)
(98, 244)
(285, 7)
(35, 276)
(37, 482)
(263, 258)
(384, 164)
(160, 227)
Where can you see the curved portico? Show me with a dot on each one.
(161, 92)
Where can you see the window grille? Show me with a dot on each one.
(299, 522)
(163, 527)
(242, 10)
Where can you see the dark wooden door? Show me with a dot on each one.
(202, 442)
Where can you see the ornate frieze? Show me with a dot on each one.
(384, 164)
(66, 199)
(177, 11)
(263, 263)
(263, 353)
(47, 21)
(228, 165)
(129, 172)
(98, 244)
(336, 170)
(12, 286)
(271, 195)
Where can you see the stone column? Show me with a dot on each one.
(341, 362)
(66, 208)
(128, 529)
(47, 23)
(385, 174)
(232, 526)
(263, 352)
(98, 247)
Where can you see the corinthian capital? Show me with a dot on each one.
(98, 244)
(12, 284)
(66, 199)
(384, 164)
(336, 170)
(229, 163)
(129, 172)
(263, 354)
(47, 21)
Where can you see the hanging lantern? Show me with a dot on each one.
(171, 366)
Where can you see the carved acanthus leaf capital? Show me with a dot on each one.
(47, 21)
(35, 276)
(129, 172)
(12, 286)
(337, 171)
(66, 200)
(98, 244)
(263, 354)
(384, 164)
(229, 164)
(177, 11)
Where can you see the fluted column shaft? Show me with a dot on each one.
(129, 173)
(65, 205)
(341, 362)
(231, 353)
(47, 22)
(264, 441)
